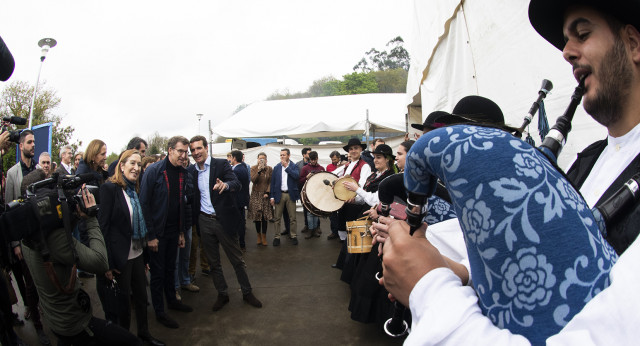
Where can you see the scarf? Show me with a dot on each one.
(138, 225)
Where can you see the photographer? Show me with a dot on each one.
(66, 307)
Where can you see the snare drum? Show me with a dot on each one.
(358, 236)
(340, 191)
(317, 194)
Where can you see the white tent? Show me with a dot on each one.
(488, 48)
(318, 117)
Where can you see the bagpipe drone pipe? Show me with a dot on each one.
(535, 248)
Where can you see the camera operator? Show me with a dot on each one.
(15, 175)
(66, 307)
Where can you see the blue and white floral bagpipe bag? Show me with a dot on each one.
(536, 252)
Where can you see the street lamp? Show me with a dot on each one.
(199, 115)
(45, 44)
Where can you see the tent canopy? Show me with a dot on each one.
(318, 117)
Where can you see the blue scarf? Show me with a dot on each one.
(139, 227)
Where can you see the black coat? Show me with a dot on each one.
(242, 198)
(154, 200)
(624, 230)
(115, 222)
(224, 203)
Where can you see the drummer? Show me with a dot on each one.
(311, 167)
(359, 170)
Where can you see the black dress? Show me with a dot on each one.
(369, 302)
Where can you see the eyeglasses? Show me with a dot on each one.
(180, 151)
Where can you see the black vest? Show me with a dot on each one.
(623, 231)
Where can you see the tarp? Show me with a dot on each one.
(317, 117)
(488, 48)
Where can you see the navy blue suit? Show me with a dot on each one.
(222, 228)
(242, 199)
(291, 196)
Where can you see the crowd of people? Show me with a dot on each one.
(455, 258)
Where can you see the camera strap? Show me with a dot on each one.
(66, 219)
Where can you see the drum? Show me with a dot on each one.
(317, 194)
(340, 191)
(358, 236)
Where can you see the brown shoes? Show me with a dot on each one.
(220, 302)
(264, 239)
(251, 299)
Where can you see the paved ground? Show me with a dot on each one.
(305, 303)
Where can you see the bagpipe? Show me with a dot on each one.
(437, 209)
(536, 250)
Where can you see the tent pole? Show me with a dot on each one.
(406, 123)
(366, 128)
(210, 140)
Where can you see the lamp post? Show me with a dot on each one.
(45, 44)
(199, 115)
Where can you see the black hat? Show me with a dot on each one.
(352, 142)
(385, 150)
(476, 109)
(430, 122)
(547, 16)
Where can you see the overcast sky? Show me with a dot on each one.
(125, 68)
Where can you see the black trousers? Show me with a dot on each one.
(163, 265)
(7, 334)
(27, 290)
(132, 279)
(104, 333)
(243, 227)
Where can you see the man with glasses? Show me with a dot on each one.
(168, 216)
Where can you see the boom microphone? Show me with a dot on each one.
(15, 120)
(74, 181)
(7, 64)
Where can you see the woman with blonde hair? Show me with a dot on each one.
(93, 162)
(124, 231)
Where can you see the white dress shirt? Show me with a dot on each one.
(203, 186)
(617, 155)
(283, 182)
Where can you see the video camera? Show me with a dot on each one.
(14, 136)
(43, 208)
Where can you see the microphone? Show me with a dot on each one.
(7, 64)
(15, 120)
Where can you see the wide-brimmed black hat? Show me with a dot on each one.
(547, 16)
(352, 142)
(385, 150)
(476, 109)
(430, 122)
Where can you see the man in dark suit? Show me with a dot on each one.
(167, 216)
(216, 216)
(242, 197)
(66, 152)
(284, 194)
